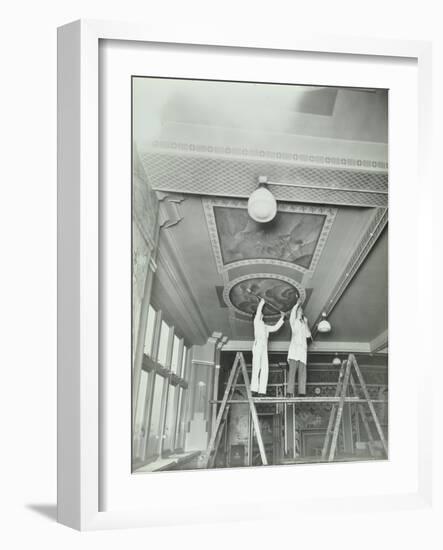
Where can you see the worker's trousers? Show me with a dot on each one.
(295, 366)
(260, 368)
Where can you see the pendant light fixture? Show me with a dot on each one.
(262, 206)
(324, 325)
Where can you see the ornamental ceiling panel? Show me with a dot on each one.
(280, 293)
(294, 239)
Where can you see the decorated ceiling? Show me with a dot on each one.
(202, 149)
(293, 240)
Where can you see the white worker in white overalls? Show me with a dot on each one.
(260, 365)
(298, 350)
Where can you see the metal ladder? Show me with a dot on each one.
(345, 378)
(222, 415)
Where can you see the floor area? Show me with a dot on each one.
(171, 462)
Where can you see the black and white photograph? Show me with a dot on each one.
(259, 274)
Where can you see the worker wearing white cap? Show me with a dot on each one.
(260, 364)
(298, 350)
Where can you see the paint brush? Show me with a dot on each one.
(266, 302)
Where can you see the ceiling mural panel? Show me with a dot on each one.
(290, 237)
(281, 293)
(295, 238)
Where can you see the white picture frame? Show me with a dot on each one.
(80, 368)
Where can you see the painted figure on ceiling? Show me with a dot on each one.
(298, 350)
(291, 237)
(260, 364)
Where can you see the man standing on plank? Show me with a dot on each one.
(260, 364)
(298, 350)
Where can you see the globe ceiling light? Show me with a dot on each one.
(324, 325)
(336, 361)
(262, 206)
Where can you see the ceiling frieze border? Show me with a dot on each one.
(233, 177)
(264, 154)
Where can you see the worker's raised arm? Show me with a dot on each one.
(293, 315)
(258, 313)
(278, 324)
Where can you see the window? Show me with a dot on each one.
(154, 428)
(180, 420)
(168, 350)
(170, 419)
(175, 358)
(183, 365)
(163, 344)
(139, 428)
(150, 330)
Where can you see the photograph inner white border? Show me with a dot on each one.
(184, 494)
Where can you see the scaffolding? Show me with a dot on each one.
(345, 385)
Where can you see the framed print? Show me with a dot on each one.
(238, 267)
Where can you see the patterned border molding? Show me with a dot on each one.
(231, 284)
(305, 158)
(237, 177)
(370, 237)
(208, 207)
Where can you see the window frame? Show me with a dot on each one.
(155, 369)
